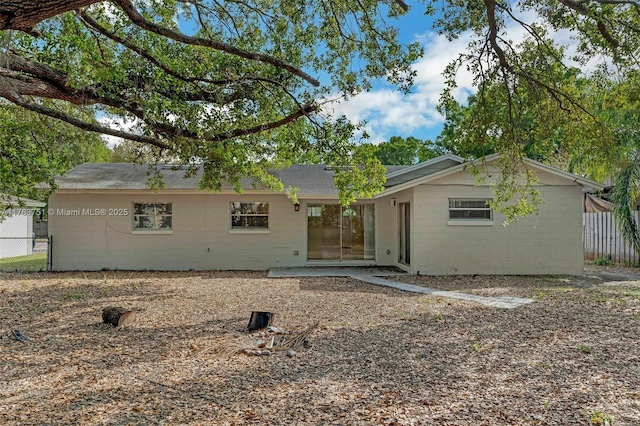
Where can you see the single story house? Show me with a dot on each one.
(431, 219)
(16, 225)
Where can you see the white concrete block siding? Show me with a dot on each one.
(549, 242)
(201, 238)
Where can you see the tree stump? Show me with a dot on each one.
(260, 320)
(117, 316)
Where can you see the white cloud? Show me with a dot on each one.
(388, 112)
(119, 123)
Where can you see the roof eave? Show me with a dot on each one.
(424, 179)
(570, 176)
(425, 164)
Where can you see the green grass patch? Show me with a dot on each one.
(600, 418)
(73, 296)
(29, 263)
(584, 349)
(604, 261)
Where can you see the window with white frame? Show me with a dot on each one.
(470, 209)
(152, 216)
(249, 215)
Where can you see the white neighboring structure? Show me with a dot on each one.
(431, 219)
(16, 225)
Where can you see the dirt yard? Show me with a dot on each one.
(379, 356)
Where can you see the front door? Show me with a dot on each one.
(336, 233)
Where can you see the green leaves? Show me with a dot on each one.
(625, 193)
(515, 192)
(231, 85)
(35, 149)
(402, 151)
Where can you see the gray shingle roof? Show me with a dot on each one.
(125, 176)
(11, 201)
(312, 179)
(315, 179)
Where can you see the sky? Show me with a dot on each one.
(389, 112)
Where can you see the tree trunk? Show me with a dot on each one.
(117, 316)
(260, 320)
(24, 15)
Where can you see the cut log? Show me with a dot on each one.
(260, 320)
(117, 316)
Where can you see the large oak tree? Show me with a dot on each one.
(239, 85)
(567, 89)
(236, 86)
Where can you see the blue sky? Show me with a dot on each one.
(389, 112)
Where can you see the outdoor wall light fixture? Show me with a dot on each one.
(296, 207)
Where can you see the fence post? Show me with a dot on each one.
(50, 253)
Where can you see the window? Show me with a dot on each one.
(150, 216)
(469, 210)
(314, 211)
(249, 215)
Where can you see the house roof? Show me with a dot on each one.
(315, 180)
(586, 183)
(11, 201)
(425, 168)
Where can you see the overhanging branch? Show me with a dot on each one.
(90, 127)
(579, 7)
(129, 9)
(306, 110)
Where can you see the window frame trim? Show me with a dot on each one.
(469, 221)
(248, 229)
(159, 231)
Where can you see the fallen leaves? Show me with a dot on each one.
(379, 356)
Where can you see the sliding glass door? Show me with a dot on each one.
(338, 233)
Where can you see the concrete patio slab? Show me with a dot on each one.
(333, 271)
(374, 274)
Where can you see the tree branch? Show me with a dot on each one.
(129, 9)
(306, 110)
(45, 82)
(402, 4)
(635, 4)
(24, 15)
(93, 24)
(602, 27)
(81, 124)
(493, 35)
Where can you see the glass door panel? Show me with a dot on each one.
(323, 232)
(336, 233)
(358, 232)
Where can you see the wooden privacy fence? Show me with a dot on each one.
(40, 229)
(602, 239)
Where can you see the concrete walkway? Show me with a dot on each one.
(373, 276)
(497, 302)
